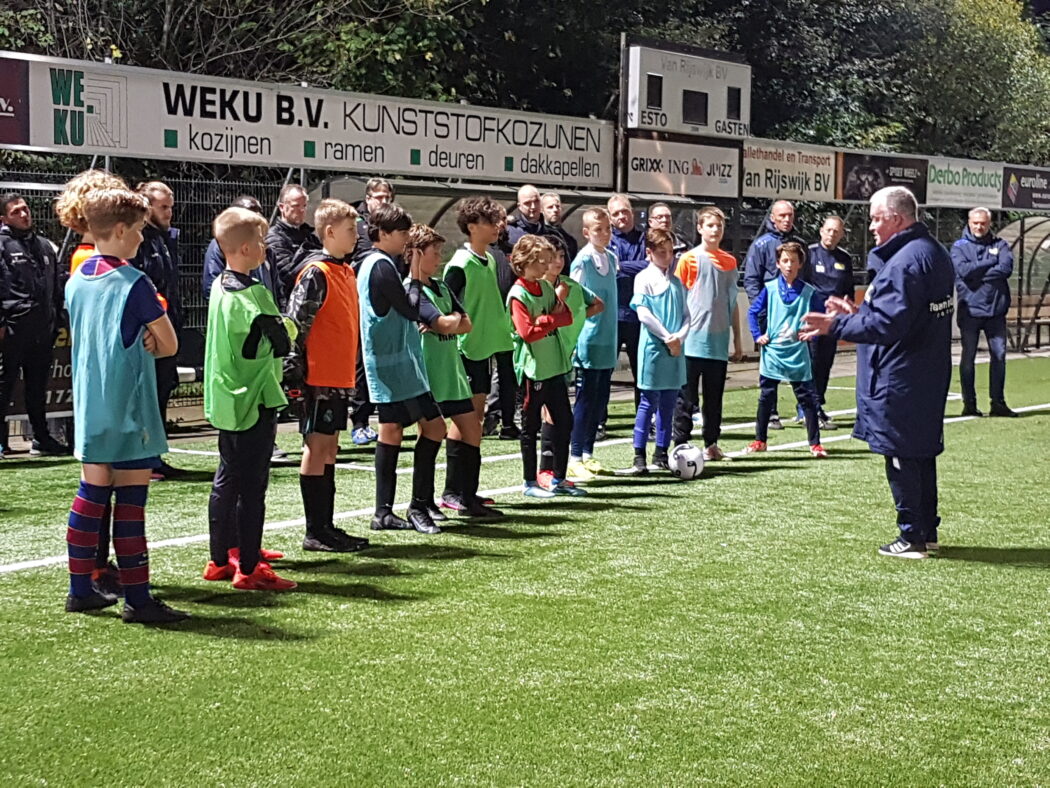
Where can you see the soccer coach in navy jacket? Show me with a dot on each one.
(904, 333)
(983, 264)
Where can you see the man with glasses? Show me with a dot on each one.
(660, 218)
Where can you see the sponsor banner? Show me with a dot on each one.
(14, 103)
(1026, 189)
(81, 107)
(961, 183)
(786, 171)
(661, 167)
(860, 175)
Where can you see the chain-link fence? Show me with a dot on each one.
(199, 199)
(197, 202)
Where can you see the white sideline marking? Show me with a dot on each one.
(282, 524)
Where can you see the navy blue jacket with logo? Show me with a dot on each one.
(982, 275)
(158, 258)
(904, 335)
(830, 273)
(760, 265)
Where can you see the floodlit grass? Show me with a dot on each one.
(739, 629)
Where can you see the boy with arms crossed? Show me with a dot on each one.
(540, 362)
(118, 327)
(441, 320)
(396, 372)
(582, 303)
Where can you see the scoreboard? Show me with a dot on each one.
(678, 91)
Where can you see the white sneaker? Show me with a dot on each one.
(714, 453)
(900, 548)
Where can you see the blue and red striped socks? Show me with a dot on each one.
(129, 542)
(85, 517)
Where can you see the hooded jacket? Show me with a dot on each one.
(518, 227)
(760, 265)
(158, 258)
(215, 264)
(282, 244)
(572, 246)
(904, 335)
(983, 267)
(30, 279)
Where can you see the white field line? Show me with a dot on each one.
(364, 512)
(610, 442)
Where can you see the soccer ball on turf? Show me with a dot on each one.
(686, 461)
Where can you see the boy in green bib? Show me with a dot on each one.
(471, 276)
(783, 303)
(441, 320)
(582, 303)
(540, 361)
(246, 340)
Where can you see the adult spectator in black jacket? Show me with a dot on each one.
(550, 204)
(528, 218)
(30, 302)
(287, 234)
(158, 258)
(829, 268)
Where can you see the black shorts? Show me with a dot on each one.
(325, 416)
(479, 373)
(135, 465)
(455, 407)
(409, 411)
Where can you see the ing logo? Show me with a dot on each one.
(89, 109)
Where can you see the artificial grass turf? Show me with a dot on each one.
(737, 629)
